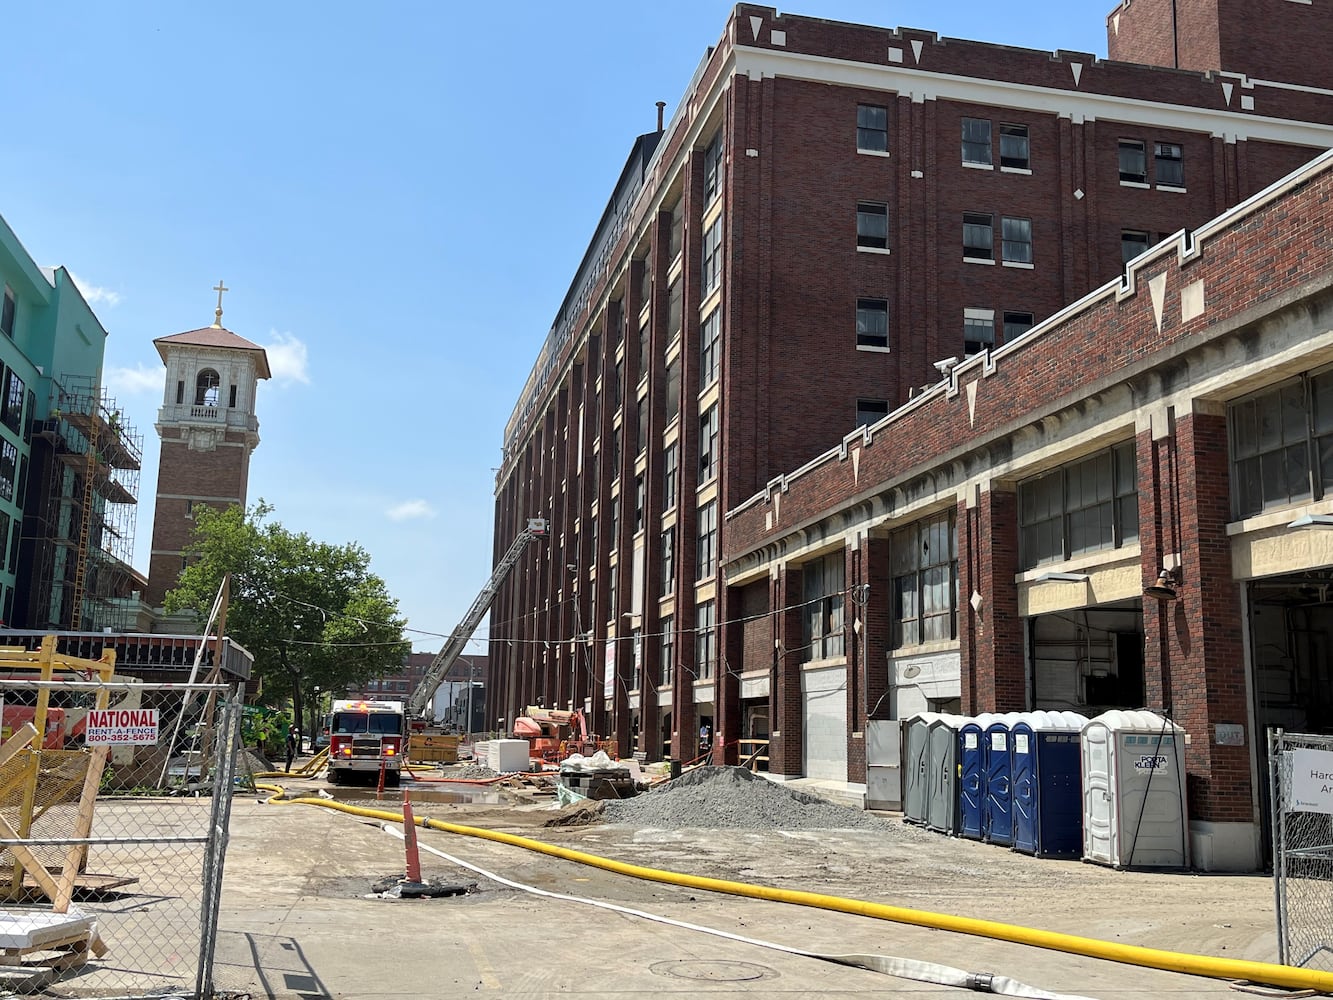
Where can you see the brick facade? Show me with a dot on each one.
(791, 373)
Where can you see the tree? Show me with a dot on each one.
(312, 613)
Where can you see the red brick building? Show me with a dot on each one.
(838, 217)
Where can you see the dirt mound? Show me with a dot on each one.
(582, 813)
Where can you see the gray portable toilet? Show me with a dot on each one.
(942, 774)
(1134, 812)
(916, 753)
(916, 764)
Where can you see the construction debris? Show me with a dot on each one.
(734, 798)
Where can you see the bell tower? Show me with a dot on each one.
(208, 429)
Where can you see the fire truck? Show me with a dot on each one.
(366, 737)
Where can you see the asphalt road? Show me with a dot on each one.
(296, 921)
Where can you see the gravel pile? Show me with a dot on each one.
(733, 798)
(468, 772)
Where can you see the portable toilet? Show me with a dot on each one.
(971, 776)
(942, 774)
(1047, 783)
(997, 815)
(1134, 813)
(915, 765)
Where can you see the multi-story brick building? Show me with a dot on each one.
(835, 216)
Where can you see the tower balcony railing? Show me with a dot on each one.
(215, 416)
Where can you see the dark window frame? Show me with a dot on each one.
(872, 128)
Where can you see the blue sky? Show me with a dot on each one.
(397, 196)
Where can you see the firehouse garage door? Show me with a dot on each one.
(824, 697)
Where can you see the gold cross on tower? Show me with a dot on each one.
(217, 316)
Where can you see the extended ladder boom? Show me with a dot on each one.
(458, 640)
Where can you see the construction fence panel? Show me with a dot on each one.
(1301, 785)
(111, 857)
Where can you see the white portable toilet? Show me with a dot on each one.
(1134, 813)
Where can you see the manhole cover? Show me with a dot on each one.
(713, 972)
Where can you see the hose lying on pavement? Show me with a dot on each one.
(889, 965)
(1210, 967)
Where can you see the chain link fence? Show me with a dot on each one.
(111, 856)
(1302, 846)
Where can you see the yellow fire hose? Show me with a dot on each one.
(1267, 973)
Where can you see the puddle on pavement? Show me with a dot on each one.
(422, 794)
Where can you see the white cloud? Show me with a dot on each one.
(288, 358)
(95, 294)
(134, 381)
(410, 510)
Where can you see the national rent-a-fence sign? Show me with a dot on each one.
(121, 727)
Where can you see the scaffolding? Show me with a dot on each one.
(82, 525)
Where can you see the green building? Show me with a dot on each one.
(69, 464)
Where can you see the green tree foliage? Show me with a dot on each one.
(313, 614)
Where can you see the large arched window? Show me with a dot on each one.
(206, 388)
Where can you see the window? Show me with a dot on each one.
(4, 542)
(872, 323)
(189, 510)
(646, 282)
(616, 436)
(180, 393)
(1081, 507)
(206, 388)
(668, 561)
(1282, 445)
(708, 442)
(668, 666)
(710, 336)
(976, 141)
(705, 640)
(872, 129)
(644, 330)
(641, 427)
(1132, 244)
(640, 493)
(868, 411)
(1015, 325)
(14, 539)
(669, 462)
(231, 398)
(978, 331)
(23, 481)
(1133, 163)
(1014, 147)
(636, 644)
(674, 311)
(714, 167)
(978, 236)
(677, 230)
(673, 389)
(823, 604)
(1017, 241)
(9, 464)
(619, 390)
(923, 561)
(872, 225)
(615, 525)
(7, 314)
(1169, 164)
(712, 260)
(706, 551)
(11, 410)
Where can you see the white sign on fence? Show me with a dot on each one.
(1311, 787)
(121, 727)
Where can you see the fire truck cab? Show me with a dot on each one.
(365, 736)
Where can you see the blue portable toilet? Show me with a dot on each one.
(1047, 784)
(971, 776)
(997, 819)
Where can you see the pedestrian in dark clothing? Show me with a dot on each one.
(293, 741)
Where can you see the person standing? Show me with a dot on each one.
(293, 741)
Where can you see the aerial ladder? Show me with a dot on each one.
(439, 667)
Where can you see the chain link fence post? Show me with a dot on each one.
(227, 748)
